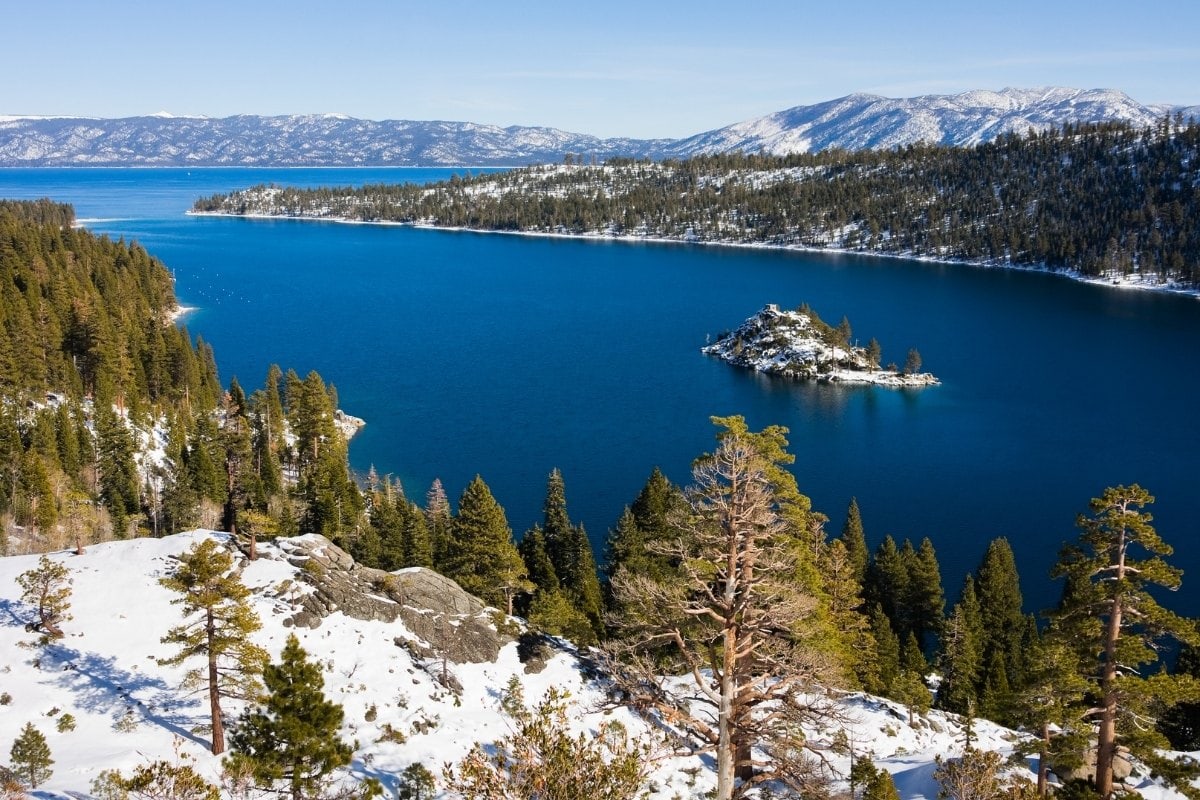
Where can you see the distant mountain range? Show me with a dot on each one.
(853, 122)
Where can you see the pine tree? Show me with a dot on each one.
(218, 632)
(1000, 607)
(47, 588)
(887, 583)
(912, 362)
(874, 353)
(881, 786)
(912, 658)
(924, 600)
(651, 513)
(550, 611)
(537, 562)
(481, 556)
(995, 696)
(241, 479)
(856, 647)
(1049, 705)
(1111, 600)
(1181, 724)
(888, 649)
(570, 553)
(30, 756)
(293, 736)
(961, 656)
(437, 520)
(119, 485)
(855, 540)
(416, 545)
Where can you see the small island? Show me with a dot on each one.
(799, 344)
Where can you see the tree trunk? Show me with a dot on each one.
(1043, 773)
(214, 689)
(1106, 736)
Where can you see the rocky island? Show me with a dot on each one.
(799, 344)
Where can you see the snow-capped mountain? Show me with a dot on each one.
(293, 141)
(865, 121)
(853, 122)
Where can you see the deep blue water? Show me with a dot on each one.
(508, 356)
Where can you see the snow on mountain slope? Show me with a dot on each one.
(861, 121)
(105, 669)
(853, 122)
(298, 140)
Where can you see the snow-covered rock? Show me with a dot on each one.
(797, 344)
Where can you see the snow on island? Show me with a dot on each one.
(799, 344)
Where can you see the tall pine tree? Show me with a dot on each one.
(1117, 561)
(220, 622)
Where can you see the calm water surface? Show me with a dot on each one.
(508, 355)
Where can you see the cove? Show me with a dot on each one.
(509, 356)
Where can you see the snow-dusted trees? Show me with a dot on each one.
(714, 649)
(218, 627)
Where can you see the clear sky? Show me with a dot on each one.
(622, 67)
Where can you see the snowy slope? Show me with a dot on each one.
(865, 121)
(106, 668)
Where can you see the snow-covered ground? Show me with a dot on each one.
(789, 343)
(105, 670)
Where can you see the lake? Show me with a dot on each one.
(509, 355)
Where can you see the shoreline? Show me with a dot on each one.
(1111, 282)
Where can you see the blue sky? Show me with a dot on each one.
(620, 67)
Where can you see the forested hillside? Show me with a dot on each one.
(113, 421)
(1103, 199)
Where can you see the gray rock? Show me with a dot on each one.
(442, 619)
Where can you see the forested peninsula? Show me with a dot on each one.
(1101, 201)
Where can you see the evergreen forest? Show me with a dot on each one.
(1101, 199)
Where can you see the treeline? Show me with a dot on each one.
(1099, 198)
(114, 422)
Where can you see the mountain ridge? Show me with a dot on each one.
(856, 121)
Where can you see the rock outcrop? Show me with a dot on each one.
(441, 619)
